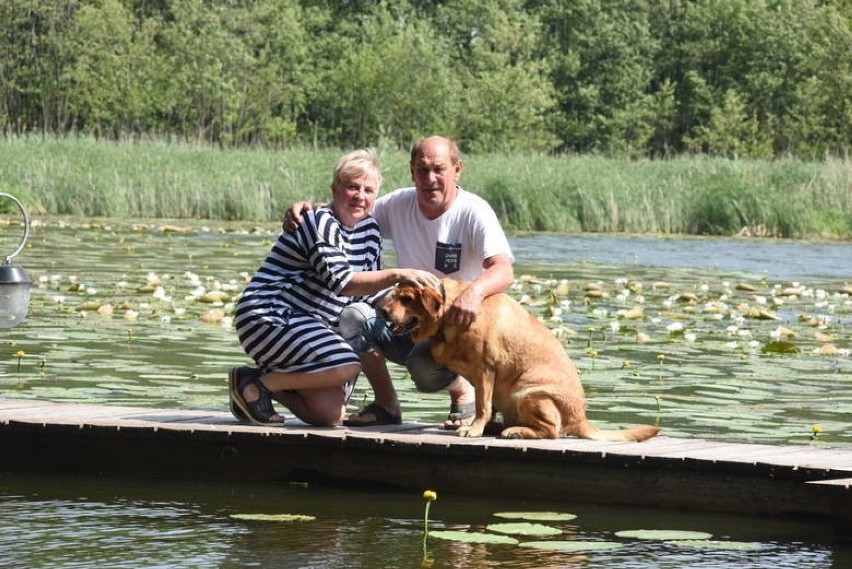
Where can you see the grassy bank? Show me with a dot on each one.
(691, 195)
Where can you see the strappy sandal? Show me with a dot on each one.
(260, 411)
(234, 377)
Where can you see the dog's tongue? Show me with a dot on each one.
(397, 329)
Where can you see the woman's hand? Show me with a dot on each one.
(419, 279)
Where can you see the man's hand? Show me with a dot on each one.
(293, 216)
(466, 307)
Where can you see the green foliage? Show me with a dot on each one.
(530, 192)
(744, 78)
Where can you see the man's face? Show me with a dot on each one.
(435, 177)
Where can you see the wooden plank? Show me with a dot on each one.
(845, 483)
(662, 448)
(664, 472)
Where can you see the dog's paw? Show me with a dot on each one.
(471, 431)
(511, 434)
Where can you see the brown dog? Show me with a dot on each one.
(516, 365)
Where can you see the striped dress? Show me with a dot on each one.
(286, 316)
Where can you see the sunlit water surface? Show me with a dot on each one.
(116, 318)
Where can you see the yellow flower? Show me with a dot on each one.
(816, 429)
(430, 495)
(661, 357)
(20, 353)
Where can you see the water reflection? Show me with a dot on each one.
(69, 523)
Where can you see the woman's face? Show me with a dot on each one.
(353, 199)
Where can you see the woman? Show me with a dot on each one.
(287, 315)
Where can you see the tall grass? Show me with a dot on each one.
(694, 195)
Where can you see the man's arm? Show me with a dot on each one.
(293, 216)
(497, 277)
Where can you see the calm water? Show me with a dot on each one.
(152, 349)
(60, 522)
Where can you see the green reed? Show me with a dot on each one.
(683, 195)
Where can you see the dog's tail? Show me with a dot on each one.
(588, 430)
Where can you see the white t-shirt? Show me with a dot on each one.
(453, 245)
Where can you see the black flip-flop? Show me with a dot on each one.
(383, 417)
(459, 412)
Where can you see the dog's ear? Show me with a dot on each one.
(432, 301)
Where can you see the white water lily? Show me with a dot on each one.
(614, 326)
(160, 294)
(732, 345)
(690, 336)
(675, 327)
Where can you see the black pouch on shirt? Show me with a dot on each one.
(448, 257)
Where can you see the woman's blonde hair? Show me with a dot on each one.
(357, 163)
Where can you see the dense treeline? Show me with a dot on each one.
(735, 78)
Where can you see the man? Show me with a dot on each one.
(438, 227)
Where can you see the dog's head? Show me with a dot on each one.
(415, 310)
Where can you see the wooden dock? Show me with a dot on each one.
(695, 474)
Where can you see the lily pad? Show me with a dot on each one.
(571, 546)
(780, 347)
(716, 544)
(664, 534)
(523, 528)
(537, 516)
(473, 537)
(273, 517)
